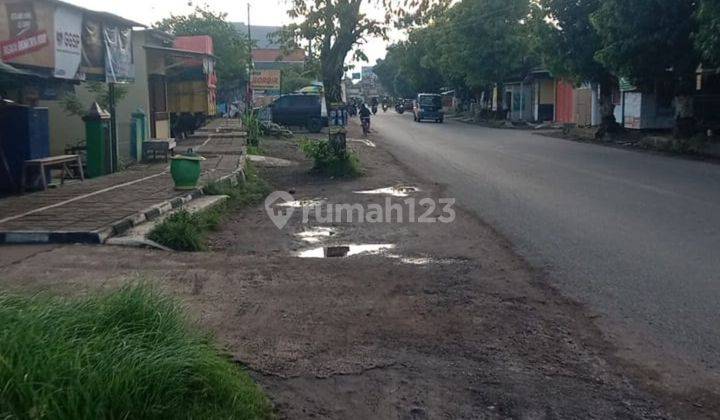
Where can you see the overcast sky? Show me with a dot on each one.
(264, 12)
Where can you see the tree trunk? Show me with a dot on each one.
(608, 124)
(684, 116)
(332, 84)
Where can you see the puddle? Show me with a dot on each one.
(298, 204)
(399, 191)
(345, 251)
(424, 260)
(317, 234)
(366, 142)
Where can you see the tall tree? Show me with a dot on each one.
(708, 34)
(231, 48)
(648, 42)
(484, 42)
(568, 43)
(337, 28)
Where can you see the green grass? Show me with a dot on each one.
(131, 354)
(326, 162)
(255, 150)
(184, 231)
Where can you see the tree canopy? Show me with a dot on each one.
(708, 33)
(647, 40)
(231, 48)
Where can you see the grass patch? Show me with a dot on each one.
(255, 150)
(131, 354)
(183, 231)
(327, 162)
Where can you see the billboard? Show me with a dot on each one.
(265, 79)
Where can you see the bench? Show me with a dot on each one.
(163, 147)
(39, 166)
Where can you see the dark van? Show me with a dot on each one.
(428, 106)
(300, 110)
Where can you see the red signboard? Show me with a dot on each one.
(22, 45)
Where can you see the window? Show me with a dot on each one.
(430, 101)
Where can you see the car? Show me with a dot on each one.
(305, 110)
(428, 106)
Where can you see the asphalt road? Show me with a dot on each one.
(634, 236)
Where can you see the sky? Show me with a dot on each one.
(263, 12)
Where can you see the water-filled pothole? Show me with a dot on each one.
(316, 234)
(298, 204)
(398, 191)
(345, 250)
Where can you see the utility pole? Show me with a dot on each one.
(248, 90)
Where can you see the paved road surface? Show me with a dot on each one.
(636, 236)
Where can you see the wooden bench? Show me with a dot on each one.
(163, 147)
(54, 162)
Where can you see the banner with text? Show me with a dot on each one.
(68, 43)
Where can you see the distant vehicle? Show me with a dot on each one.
(408, 104)
(428, 106)
(400, 107)
(300, 110)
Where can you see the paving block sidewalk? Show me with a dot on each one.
(94, 210)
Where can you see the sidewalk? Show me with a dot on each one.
(94, 210)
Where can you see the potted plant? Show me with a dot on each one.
(185, 170)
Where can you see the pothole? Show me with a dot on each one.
(316, 234)
(397, 191)
(345, 250)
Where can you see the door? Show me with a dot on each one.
(583, 107)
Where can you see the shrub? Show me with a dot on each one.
(253, 127)
(131, 354)
(327, 162)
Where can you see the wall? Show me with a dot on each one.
(643, 112)
(565, 102)
(68, 130)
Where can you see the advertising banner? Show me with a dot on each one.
(93, 48)
(265, 80)
(68, 44)
(118, 54)
(24, 34)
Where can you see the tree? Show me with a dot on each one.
(651, 42)
(335, 28)
(708, 33)
(483, 42)
(411, 66)
(568, 43)
(295, 78)
(231, 48)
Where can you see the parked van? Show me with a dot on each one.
(428, 106)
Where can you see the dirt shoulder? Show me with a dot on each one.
(447, 322)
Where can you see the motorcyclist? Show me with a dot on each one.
(365, 116)
(385, 104)
(374, 105)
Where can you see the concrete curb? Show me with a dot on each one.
(118, 228)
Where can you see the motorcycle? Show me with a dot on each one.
(385, 107)
(374, 109)
(365, 121)
(400, 109)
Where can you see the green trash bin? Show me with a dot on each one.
(185, 170)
